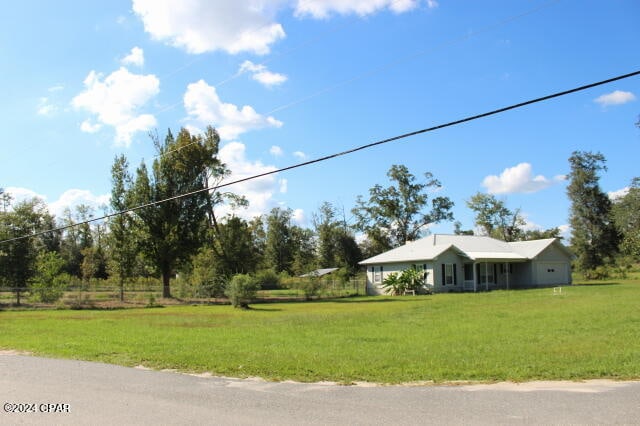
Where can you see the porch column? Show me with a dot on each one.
(506, 266)
(475, 278)
(486, 275)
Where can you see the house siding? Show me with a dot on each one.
(448, 257)
(374, 288)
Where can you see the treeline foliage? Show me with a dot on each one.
(186, 237)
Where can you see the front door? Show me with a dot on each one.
(468, 276)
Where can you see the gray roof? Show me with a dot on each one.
(474, 247)
(319, 272)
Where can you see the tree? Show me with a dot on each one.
(539, 234)
(122, 233)
(304, 250)
(232, 248)
(18, 257)
(278, 251)
(337, 246)
(48, 281)
(395, 215)
(242, 290)
(626, 214)
(495, 219)
(174, 230)
(594, 238)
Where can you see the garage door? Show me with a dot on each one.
(552, 273)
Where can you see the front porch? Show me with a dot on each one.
(485, 276)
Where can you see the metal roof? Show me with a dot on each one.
(474, 247)
(319, 272)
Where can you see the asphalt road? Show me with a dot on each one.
(95, 393)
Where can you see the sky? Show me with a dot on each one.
(285, 81)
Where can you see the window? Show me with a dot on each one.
(377, 275)
(449, 274)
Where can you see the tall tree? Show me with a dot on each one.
(594, 238)
(494, 218)
(232, 247)
(18, 257)
(278, 252)
(122, 233)
(174, 230)
(395, 215)
(337, 246)
(626, 213)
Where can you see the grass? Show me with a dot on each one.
(589, 331)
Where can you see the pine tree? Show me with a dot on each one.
(594, 237)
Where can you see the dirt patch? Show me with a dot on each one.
(14, 352)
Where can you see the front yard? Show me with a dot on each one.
(588, 331)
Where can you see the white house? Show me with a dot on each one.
(474, 263)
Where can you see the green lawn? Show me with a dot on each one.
(590, 331)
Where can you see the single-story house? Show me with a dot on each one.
(474, 263)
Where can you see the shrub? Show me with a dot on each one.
(310, 286)
(49, 282)
(241, 290)
(393, 284)
(268, 279)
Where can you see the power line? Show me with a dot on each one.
(343, 153)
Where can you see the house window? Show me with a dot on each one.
(377, 275)
(449, 274)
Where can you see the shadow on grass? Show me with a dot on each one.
(377, 300)
(594, 284)
(253, 308)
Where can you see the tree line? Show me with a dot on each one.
(165, 233)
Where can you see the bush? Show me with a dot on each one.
(310, 286)
(268, 279)
(241, 290)
(49, 282)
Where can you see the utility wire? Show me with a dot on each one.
(343, 153)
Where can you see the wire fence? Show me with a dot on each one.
(147, 292)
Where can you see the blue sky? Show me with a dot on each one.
(288, 80)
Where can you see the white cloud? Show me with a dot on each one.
(69, 199)
(22, 194)
(259, 192)
(299, 217)
(88, 126)
(518, 179)
(300, 155)
(135, 57)
(617, 195)
(276, 151)
(321, 9)
(116, 99)
(74, 197)
(617, 97)
(204, 107)
(199, 26)
(261, 74)
(45, 107)
(432, 4)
